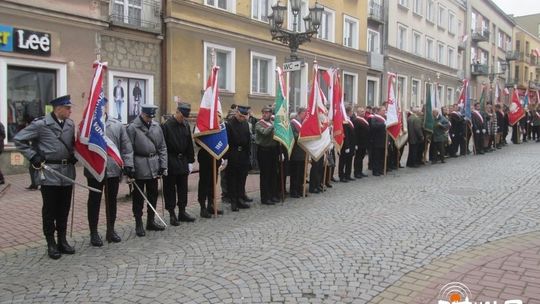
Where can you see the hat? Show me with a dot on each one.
(244, 110)
(149, 110)
(61, 101)
(267, 109)
(184, 108)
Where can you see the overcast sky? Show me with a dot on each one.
(519, 7)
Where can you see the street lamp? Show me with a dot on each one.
(294, 38)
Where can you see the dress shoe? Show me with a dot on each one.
(351, 179)
(95, 239)
(275, 200)
(243, 205)
(32, 187)
(247, 199)
(234, 206)
(64, 246)
(205, 213)
(112, 237)
(376, 174)
(173, 219)
(52, 249)
(344, 180)
(211, 211)
(185, 217)
(329, 186)
(139, 228)
(295, 195)
(152, 225)
(267, 202)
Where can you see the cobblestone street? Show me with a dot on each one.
(392, 239)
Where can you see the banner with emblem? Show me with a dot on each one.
(393, 114)
(282, 129)
(428, 115)
(515, 112)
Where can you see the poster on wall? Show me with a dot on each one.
(129, 94)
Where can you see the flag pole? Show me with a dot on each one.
(325, 162)
(281, 173)
(72, 210)
(385, 150)
(305, 173)
(107, 207)
(214, 183)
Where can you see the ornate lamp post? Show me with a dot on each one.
(294, 38)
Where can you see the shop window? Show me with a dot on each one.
(128, 95)
(28, 92)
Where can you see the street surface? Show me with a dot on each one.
(392, 239)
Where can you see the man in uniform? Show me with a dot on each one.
(150, 163)
(347, 149)
(267, 157)
(237, 157)
(416, 137)
(479, 129)
(457, 132)
(361, 130)
(440, 135)
(49, 141)
(116, 132)
(377, 137)
(181, 157)
(298, 157)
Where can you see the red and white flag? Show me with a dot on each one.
(92, 146)
(463, 95)
(393, 114)
(210, 109)
(506, 92)
(516, 112)
(536, 52)
(337, 113)
(314, 135)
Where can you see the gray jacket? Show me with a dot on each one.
(149, 149)
(53, 143)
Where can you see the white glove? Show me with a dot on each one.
(356, 148)
(190, 167)
(223, 165)
(484, 131)
(347, 150)
(477, 131)
(281, 157)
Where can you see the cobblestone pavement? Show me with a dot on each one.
(472, 219)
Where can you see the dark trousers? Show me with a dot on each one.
(438, 151)
(32, 171)
(345, 164)
(316, 174)
(377, 160)
(269, 175)
(175, 191)
(536, 132)
(479, 142)
(151, 186)
(296, 169)
(359, 160)
(55, 211)
(420, 147)
(458, 142)
(206, 187)
(94, 201)
(236, 174)
(412, 158)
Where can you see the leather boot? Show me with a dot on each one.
(173, 220)
(234, 205)
(63, 245)
(242, 205)
(183, 216)
(205, 213)
(111, 235)
(52, 249)
(151, 225)
(95, 239)
(139, 228)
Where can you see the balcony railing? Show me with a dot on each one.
(375, 12)
(480, 35)
(512, 55)
(479, 69)
(524, 57)
(146, 16)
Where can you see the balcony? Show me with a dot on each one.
(376, 61)
(524, 57)
(479, 69)
(144, 17)
(512, 55)
(462, 45)
(479, 35)
(534, 85)
(375, 12)
(511, 82)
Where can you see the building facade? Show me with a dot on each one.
(238, 32)
(526, 68)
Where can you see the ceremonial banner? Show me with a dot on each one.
(515, 113)
(428, 115)
(393, 114)
(483, 99)
(92, 145)
(282, 128)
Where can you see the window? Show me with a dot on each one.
(300, 26)
(350, 32)
(225, 59)
(449, 95)
(485, 26)
(326, 30)
(227, 5)
(440, 97)
(401, 90)
(451, 23)
(404, 3)
(417, 43)
(402, 38)
(372, 91)
(500, 39)
(415, 93)
(483, 56)
(260, 9)
(417, 7)
(262, 74)
(128, 11)
(429, 48)
(350, 88)
(451, 57)
(459, 62)
(440, 53)
(441, 16)
(473, 22)
(430, 11)
(373, 41)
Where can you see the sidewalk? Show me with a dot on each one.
(20, 210)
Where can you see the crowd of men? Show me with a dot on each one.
(152, 152)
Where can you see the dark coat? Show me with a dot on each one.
(349, 142)
(179, 143)
(377, 132)
(457, 125)
(297, 154)
(440, 129)
(239, 138)
(361, 131)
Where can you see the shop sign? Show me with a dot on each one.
(24, 41)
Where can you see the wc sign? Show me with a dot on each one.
(24, 41)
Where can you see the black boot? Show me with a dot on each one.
(173, 220)
(183, 216)
(112, 237)
(95, 239)
(234, 205)
(151, 225)
(205, 213)
(139, 228)
(52, 249)
(242, 205)
(63, 245)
